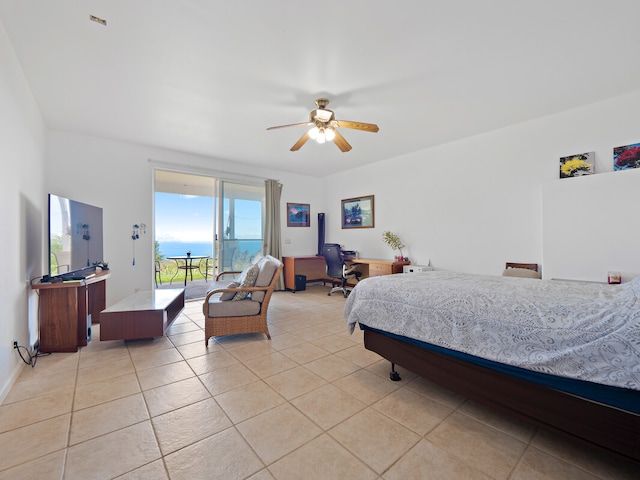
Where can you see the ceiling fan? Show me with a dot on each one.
(324, 127)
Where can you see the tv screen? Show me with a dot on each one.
(75, 236)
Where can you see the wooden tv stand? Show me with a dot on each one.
(64, 310)
(143, 315)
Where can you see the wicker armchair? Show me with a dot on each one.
(230, 317)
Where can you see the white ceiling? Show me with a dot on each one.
(208, 77)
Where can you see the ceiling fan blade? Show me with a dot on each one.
(367, 127)
(291, 125)
(340, 141)
(303, 139)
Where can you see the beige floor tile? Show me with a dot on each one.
(538, 465)
(51, 364)
(263, 474)
(358, 355)
(113, 454)
(333, 343)
(49, 467)
(209, 363)
(223, 456)
(426, 460)
(416, 412)
(366, 386)
(331, 367)
(485, 448)
(316, 332)
(152, 471)
(155, 358)
(187, 425)
(28, 443)
(248, 401)
(305, 353)
(281, 341)
(26, 412)
(271, 364)
(295, 382)
(589, 458)
(228, 378)
(102, 371)
(175, 395)
(436, 392)
(140, 348)
(197, 349)
(321, 459)
(183, 327)
(164, 374)
(249, 350)
(516, 428)
(328, 405)
(113, 353)
(375, 439)
(105, 391)
(195, 336)
(107, 417)
(31, 385)
(278, 431)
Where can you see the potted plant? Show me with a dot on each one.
(394, 242)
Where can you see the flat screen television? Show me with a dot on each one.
(75, 237)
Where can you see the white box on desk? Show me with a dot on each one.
(415, 269)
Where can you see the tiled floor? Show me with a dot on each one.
(311, 403)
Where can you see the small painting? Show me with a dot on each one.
(358, 212)
(298, 215)
(627, 157)
(577, 165)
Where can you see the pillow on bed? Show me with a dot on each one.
(226, 296)
(520, 272)
(247, 279)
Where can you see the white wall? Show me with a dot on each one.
(118, 177)
(22, 204)
(474, 204)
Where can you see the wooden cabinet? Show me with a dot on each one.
(64, 310)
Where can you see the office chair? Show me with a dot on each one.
(337, 269)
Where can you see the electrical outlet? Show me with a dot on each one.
(15, 344)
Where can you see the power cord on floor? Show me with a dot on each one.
(31, 358)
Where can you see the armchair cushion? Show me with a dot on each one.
(268, 266)
(247, 279)
(226, 296)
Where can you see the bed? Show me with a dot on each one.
(562, 355)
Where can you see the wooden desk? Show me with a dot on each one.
(312, 266)
(64, 311)
(315, 268)
(376, 267)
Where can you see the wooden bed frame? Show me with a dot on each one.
(612, 429)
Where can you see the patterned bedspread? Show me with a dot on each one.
(585, 331)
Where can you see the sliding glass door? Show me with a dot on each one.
(219, 223)
(241, 219)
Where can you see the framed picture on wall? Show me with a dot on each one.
(627, 157)
(577, 165)
(298, 214)
(358, 212)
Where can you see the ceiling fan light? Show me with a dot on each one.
(321, 136)
(313, 133)
(329, 134)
